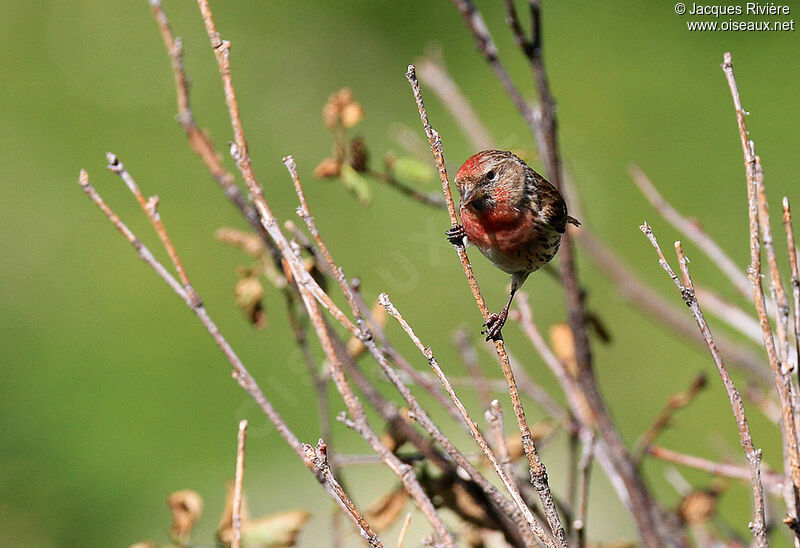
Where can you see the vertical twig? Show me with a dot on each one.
(318, 455)
(753, 455)
(585, 468)
(236, 518)
(787, 222)
(782, 381)
(401, 537)
(537, 468)
(776, 281)
(494, 416)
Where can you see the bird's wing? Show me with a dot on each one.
(551, 205)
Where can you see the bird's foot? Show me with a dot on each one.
(456, 235)
(494, 324)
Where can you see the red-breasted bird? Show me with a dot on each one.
(512, 215)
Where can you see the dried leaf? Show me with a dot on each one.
(384, 511)
(564, 346)
(355, 348)
(698, 506)
(342, 110)
(248, 295)
(328, 168)
(186, 507)
(411, 170)
(539, 430)
(359, 155)
(355, 183)
(276, 530)
(392, 438)
(246, 241)
(351, 114)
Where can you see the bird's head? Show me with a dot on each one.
(489, 179)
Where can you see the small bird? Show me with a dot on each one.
(512, 215)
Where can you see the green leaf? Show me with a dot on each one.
(355, 183)
(411, 170)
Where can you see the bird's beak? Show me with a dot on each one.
(469, 196)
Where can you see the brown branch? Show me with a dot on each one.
(319, 457)
(361, 425)
(752, 455)
(782, 380)
(787, 222)
(473, 427)
(776, 283)
(675, 403)
(537, 468)
(772, 481)
(236, 512)
(150, 207)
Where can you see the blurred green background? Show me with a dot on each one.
(112, 395)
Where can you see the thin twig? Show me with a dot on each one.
(150, 207)
(772, 481)
(236, 517)
(776, 282)
(487, 48)
(782, 380)
(752, 455)
(403, 531)
(585, 469)
(360, 423)
(537, 468)
(318, 455)
(787, 222)
(494, 416)
(675, 403)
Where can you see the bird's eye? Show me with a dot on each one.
(490, 175)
